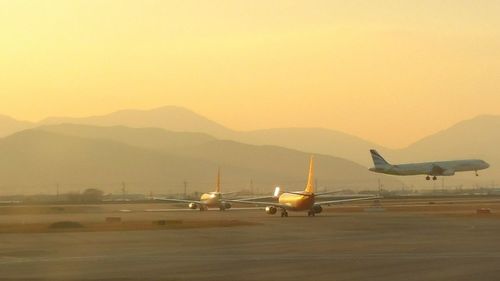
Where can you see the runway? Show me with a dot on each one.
(340, 244)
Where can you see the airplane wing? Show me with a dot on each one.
(258, 203)
(291, 192)
(254, 198)
(440, 171)
(346, 200)
(176, 200)
(436, 170)
(196, 210)
(229, 193)
(327, 192)
(283, 206)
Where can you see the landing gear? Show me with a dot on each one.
(477, 175)
(311, 213)
(203, 208)
(284, 213)
(222, 209)
(429, 178)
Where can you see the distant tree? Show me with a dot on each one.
(92, 195)
(73, 197)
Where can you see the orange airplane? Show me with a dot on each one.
(300, 200)
(207, 200)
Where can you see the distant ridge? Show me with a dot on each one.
(474, 138)
(478, 137)
(10, 125)
(316, 140)
(179, 119)
(82, 156)
(171, 118)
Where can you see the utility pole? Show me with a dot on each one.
(57, 192)
(124, 191)
(185, 188)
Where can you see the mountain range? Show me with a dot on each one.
(152, 159)
(177, 132)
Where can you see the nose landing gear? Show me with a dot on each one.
(311, 213)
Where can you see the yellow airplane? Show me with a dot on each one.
(299, 200)
(207, 200)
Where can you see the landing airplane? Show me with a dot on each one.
(299, 200)
(207, 200)
(434, 169)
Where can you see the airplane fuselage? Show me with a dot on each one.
(441, 168)
(297, 202)
(211, 199)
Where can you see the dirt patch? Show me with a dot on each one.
(123, 226)
(44, 210)
(65, 225)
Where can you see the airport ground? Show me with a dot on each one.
(412, 239)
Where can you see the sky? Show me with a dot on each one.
(390, 72)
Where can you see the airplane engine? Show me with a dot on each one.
(317, 209)
(227, 205)
(193, 206)
(271, 210)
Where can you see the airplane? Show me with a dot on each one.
(207, 200)
(434, 169)
(299, 200)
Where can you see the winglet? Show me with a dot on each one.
(217, 188)
(310, 178)
(277, 192)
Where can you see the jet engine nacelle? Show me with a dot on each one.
(271, 210)
(226, 205)
(193, 206)
(317, 209)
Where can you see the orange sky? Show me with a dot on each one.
(387, 71)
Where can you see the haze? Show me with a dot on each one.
(388, 71)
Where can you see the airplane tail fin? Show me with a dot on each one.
(378, 160)
(310, 178)
(217, 188)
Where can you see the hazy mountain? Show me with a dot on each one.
(35, 160)
(315, 140)
(285, 166)
(304, 139)
(171, 118)
(152, 138)
(10, 125)
(475, 138)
